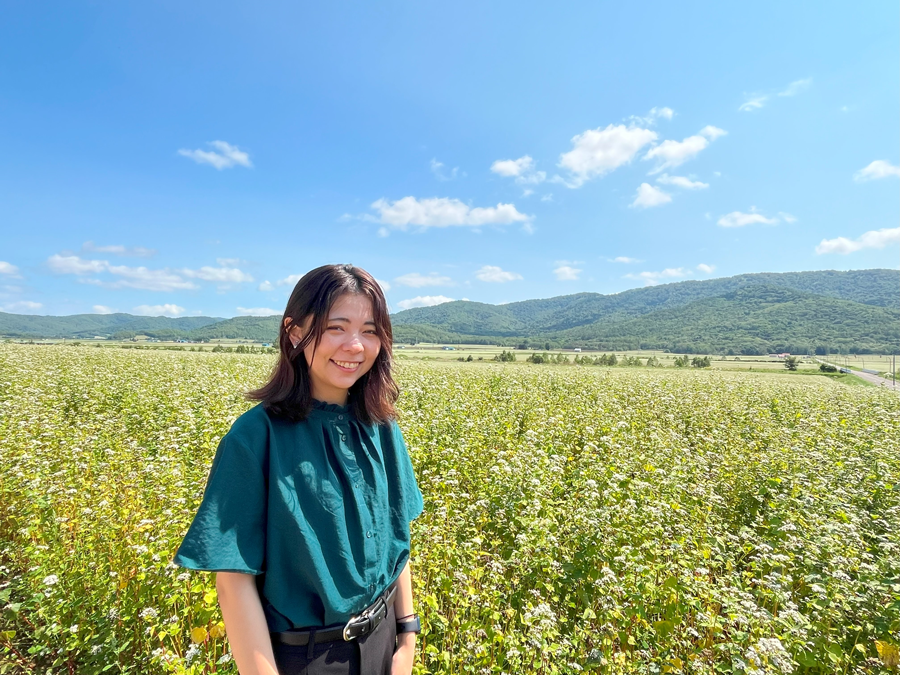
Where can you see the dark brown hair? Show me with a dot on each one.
(288, 394)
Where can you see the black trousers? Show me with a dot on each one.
(370, 655)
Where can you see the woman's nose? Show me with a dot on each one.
(354, 345)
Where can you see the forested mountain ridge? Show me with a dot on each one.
(749, 313)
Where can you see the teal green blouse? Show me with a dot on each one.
(318, 509)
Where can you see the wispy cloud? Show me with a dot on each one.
(494, 274)
(758, 100)
(424, 301)
(706, 269)
(598, 151)
(670, 153)
(653, 278)
(223, 156)
(443, 212)
(523, 170)
(416, 280)
(740, 219)
(624, 259)
(116, 249)
(103, 309)
(682, 182)
(159, 310)
(9, 270)
(871, 239)
(291, 280)
(441, 172)
(257, 311)
(753, 102)
(796, 87)
(22, 307)
(648, 196)
(877, 169)
(265, 286)
(566, 270)
(651, 117)
(142, 277)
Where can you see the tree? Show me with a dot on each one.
(698, 362)
(791, 362)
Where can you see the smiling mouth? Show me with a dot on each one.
(347, 365)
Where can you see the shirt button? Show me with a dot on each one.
(340, 417)
(359, 485)
(343, 438)
(368, 535)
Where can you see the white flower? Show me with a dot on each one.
(225, 658)
(148, 613)
(51, 580)
(191, 654)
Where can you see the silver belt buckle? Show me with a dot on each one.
(347, 637)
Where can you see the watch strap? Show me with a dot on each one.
(410, 624)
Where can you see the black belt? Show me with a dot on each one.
(362, 624)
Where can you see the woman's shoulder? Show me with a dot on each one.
(252, 430)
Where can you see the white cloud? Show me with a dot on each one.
(9, 269)
(257, 311)
(522, 169)
(291, 279)
(653, 278)
(787, 217)
(22, 306)
(871, 239)
(142, 277)
(796, 87)
(565, 272)
(527, 192)
(224, 156)
(443, 212)
(598, 151)
(675, 153)
(682, 182)
(648, 196)
(424, 301)
(753, 102)
(385, 286)
(103, 309)
(116, 249)
(756, 101)
(739, 219)
(706, 269)
(220, 274)
(652, 116)
(547, 197)
(416, 280)
(437, 168)
(158, 310)
(72, 264)
(266, 286)
(877, 169)
(625, 259)
(494, 274)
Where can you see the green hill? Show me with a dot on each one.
(748, 313)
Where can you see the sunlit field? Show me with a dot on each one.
(577, 518)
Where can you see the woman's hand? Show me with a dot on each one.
(403, 655)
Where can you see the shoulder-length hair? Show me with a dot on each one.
(288, 394)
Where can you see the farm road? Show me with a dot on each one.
(868, 377)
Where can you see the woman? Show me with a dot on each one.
(307, 507)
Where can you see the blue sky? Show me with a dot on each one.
(196, 158)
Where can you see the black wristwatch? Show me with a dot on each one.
(409, 624)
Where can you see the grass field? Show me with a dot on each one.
(578, 519)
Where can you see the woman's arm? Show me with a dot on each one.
(245, 623)
(406, 642)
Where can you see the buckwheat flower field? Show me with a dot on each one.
(577, 519)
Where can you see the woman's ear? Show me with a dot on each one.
(292, 332)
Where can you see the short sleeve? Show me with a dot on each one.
(228, 533)
(412, 496)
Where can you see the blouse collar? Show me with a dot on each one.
(330, 407)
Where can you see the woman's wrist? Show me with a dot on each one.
(406, 641)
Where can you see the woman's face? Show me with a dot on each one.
(346, 350)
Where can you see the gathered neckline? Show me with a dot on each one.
(330, 407)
